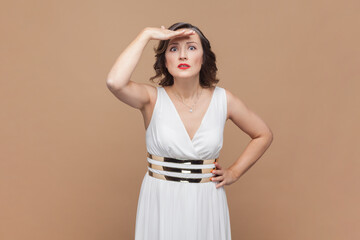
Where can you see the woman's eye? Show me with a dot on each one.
(175, 47)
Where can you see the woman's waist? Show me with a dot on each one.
(182, 170)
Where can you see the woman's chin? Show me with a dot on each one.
(185, 75)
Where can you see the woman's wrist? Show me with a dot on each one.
(145, 34)
(235, 173)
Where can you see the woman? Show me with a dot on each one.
(182, 194)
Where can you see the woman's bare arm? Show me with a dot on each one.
(118, 81)
(252, 125)
(255, 127)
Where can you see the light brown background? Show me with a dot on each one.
(73, 156)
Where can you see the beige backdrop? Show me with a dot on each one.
(73, 156)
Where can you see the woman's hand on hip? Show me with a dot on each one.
(224, 176)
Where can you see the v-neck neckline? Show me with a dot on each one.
(202, 120)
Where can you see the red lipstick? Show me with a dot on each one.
(183, 66)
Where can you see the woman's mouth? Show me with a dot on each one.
(183, 66)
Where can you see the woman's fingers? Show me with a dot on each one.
(178, 32)
(220, 184)
(164, 34)
(217, 172)
(184, 31)
(189, 31)
(217, 165)
(217, 178)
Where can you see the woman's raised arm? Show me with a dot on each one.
(136, 95)
(118, 80)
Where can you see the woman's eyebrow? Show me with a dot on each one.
(176, 43)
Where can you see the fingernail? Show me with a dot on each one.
(210, 179)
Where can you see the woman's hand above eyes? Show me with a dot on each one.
(164, 34)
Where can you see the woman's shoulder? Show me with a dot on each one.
(232, 100)
(223, 89)
(228, 93)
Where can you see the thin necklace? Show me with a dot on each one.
(191, 108)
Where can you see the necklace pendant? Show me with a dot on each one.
(190, 110)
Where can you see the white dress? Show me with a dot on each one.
(170, 210)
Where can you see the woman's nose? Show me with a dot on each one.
(183, 54)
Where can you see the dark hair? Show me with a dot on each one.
(208, 68)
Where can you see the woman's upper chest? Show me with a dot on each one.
(191, 114)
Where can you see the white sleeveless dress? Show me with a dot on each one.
(170, 210)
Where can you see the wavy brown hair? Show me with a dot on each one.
(208, 69)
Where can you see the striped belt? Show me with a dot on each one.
(179, 170)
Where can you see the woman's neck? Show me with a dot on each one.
(186, 89)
